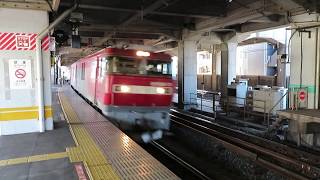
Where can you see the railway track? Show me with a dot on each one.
(178, 160)
(279, 157)
(288, 161)
(166, 156)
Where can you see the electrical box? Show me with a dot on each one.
(237, 92)
(76, 17)
(271, 100)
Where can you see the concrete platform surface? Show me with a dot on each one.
(33, 144)
(58, 169)
(84, 145)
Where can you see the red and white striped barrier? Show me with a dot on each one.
(21, 41)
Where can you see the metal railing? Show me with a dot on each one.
(245, 106)
(289, 95)
(205, 100)
(275, 105)
(211, 101)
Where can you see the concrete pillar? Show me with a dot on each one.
(187, 71)
(228, 64)
(232, 60)
(59, 71)
(218, 69)
(214, 72)
(20, 93)
(305, 60)
(56, 69)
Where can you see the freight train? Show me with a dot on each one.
(133, 88)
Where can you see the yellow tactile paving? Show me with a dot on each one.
(38, 158)
(35, 158)
(17, 161)
(3, 162)
(102, 172)
(87, 151)
(45, 157)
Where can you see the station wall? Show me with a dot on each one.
(310, 60)
(18, 91)
(251, 59)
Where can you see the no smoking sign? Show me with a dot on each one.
(20, 73)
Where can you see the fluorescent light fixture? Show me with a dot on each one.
(174, 58)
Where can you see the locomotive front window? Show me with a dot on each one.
(140, 66)
(155, 67)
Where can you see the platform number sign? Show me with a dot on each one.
(22, 41)
(20, 74)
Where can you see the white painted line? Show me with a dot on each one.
(62, 117)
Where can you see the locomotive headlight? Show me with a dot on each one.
(124, 89)
(143, 53)
(161, 90)
(121, 88)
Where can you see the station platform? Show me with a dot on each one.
(303, 115)
(304, 126)
(83, 145)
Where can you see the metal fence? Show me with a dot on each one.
(244, 105)
(213, 102)
(205, 100)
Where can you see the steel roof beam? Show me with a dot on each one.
(109, 33)
(129, 29)
(109, 28)
(107, 8)
(154, 6)
(38, 5)
(254, 11)
(287, 4)
(55, 4)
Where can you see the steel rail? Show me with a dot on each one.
(186, 165)
(307, 157)
(261, 155)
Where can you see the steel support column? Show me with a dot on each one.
(228, 64)
(187, 72)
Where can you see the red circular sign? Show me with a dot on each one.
(20, 73)
(302, 95)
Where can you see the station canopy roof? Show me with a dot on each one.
(159, 24)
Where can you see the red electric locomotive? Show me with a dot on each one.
(132, 87)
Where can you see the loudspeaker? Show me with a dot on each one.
(75, 41)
